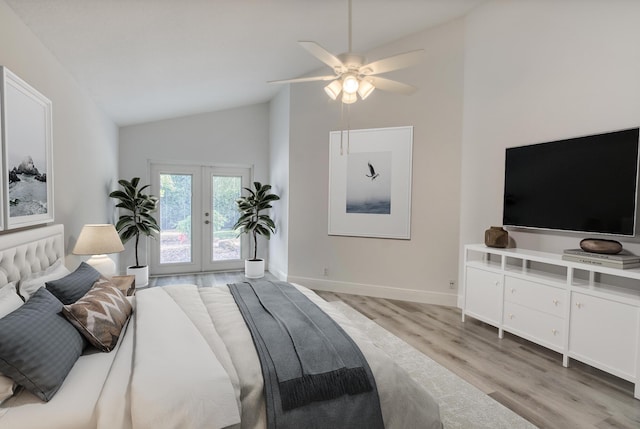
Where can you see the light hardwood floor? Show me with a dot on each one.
(528, 379)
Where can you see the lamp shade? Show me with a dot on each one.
(98, 239)
(333, 89)
(349, 98)
(365, 89)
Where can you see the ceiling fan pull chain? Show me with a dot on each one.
(341, 126)
(348, 129)
(342, 121)
(348, 139)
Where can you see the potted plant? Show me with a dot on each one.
(136, 222)
(255, 222)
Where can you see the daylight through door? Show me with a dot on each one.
(196, 214)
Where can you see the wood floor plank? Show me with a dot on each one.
(527, 378)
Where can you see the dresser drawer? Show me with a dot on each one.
(535, 295)
(539, 327)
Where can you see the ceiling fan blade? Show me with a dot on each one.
(395, 62)
(304, 79)
(391, 85)
(322, 54)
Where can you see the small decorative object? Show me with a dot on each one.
(138, 221)
(496, 236)
(253, 222)
(597, 245)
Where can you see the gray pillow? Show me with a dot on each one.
(38, 346)
(72, 287)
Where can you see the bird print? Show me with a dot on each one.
(372, 170)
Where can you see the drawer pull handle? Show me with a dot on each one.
(497, 283)
(579, 304)
(555, 302)
(554, 331)
(513, 290)
(510, 316)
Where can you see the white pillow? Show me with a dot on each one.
(9, 299)
(31, 283)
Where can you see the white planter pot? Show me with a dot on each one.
(141, 273)
(254, 269)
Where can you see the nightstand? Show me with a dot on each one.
(127, 284)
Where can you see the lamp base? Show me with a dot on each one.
(103, 264)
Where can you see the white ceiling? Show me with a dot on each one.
(145, 60)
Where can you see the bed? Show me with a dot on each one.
(184, 358)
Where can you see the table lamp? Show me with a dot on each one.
(98, 240)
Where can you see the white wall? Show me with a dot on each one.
(279, 112)
(539, 71)
(85, 141)
(230, 137)
(567, 69)
(418, 269)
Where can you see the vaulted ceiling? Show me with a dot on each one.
(146, 60)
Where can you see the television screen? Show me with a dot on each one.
(583, 184)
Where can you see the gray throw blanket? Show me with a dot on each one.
(315, 376)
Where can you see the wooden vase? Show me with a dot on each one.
(496, 236)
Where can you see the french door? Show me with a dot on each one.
(196, 213)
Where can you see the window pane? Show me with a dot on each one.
(175, 218)
(226, 189)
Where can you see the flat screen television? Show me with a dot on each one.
(584, 184)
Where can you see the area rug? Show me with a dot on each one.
(461, 404)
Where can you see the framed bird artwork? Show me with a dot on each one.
(370, 182)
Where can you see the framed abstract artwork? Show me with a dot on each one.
(370, 182)
(27, 167)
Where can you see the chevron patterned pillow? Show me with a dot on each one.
(100, 314)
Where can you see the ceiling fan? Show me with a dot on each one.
(353, 75)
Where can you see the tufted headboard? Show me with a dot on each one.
(29, 251)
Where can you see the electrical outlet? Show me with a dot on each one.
(325, 272)
(452, 284)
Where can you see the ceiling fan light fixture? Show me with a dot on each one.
(348, 98)
(365, 89)
(350, 84)
(333, 89)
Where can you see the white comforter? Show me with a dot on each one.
(194, 366)
(187, 361)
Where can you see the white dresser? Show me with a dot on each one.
(585, 312)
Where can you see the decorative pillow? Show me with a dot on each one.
(31, 283)
(38, 347)
(72, 287)
(100, 314)
(9, 299)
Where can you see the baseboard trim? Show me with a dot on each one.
(279, 274)
(378, 291)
